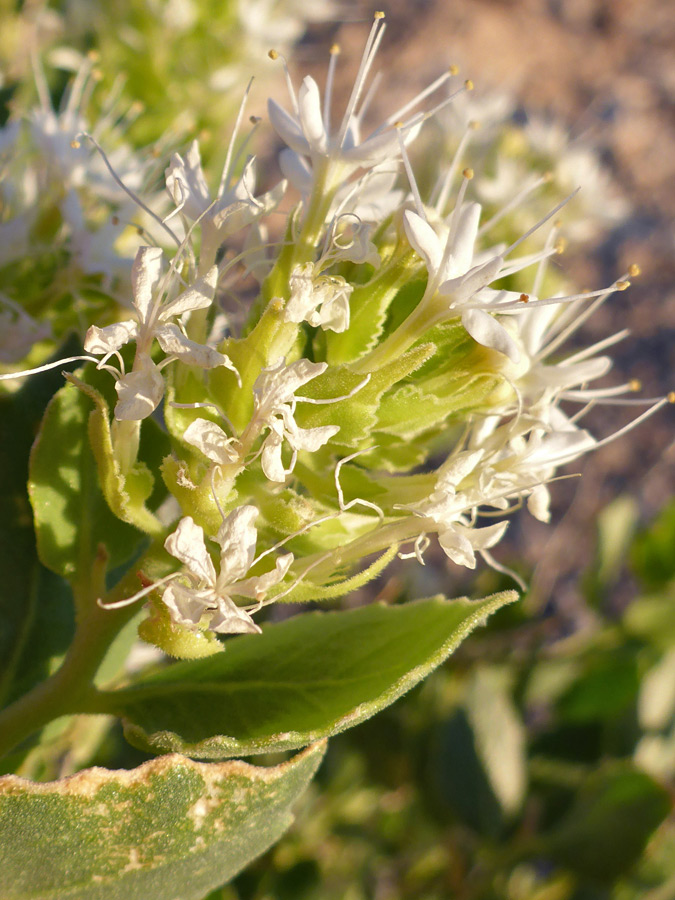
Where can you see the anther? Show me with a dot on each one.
(155, 152)
(560, 245)
(634, 270)
(277, 304)
(75, 145)
(635, 385)
(115, 220)
(474, 125)
(93, 56)
(254, 120)
(335, 49)
(97, 74)
(524, 298)
(468, 84)
(468, 174)
(379, 15)
(453, 69)
(273, 54)
(136, 108)
(622, 285)
(670, 397)
(399, 124)
(547, 177)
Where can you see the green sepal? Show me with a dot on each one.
(356, 416)
(306, 678)
(369, 306)
(307, 592)
(181, 643)
(125, 493)
(170, 828)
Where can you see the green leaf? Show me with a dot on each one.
(301, 680)
(125, 494)
(614, 815)
(72, 519)
(171, 828)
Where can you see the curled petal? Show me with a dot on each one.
(139, 392)
(187, 545)
(186, 605)
(237, 537)
(228, 618)
(145, 275)
(287, 128)
(112, 337)
(173, 342)
(309, 105)
(259, 585)
(212, 441)
(199, 296)
(489, 332)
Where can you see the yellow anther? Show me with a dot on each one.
(335, 49)
(560, 245)
(273, 54)
(399, 124)
(474, 125)
(670, 397)
(277, 304)
(622, 285)
(635, 385)
(468, 84)
(97, 74)
(524, 298)
(93, 56)
(453, 69)
(379, 15)
(468, 174)
(75, 144)
(634, 270)
(136, 107)
(204, 135)
(546, 177)
(155, 152)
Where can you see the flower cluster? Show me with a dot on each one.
(382, 329)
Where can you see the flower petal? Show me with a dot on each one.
(187, 544)
(145, 275)
(488, 331)
(287, 128)
(212, 441)
(173, 342)
(139, 392)
(110, 338)
(228, 618)
(237, 538)
(199, 296)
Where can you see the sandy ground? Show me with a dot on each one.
(607, 68)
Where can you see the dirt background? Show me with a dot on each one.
(606, 67)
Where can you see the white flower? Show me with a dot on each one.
(235, 205)
(456, 281)
(448, 511)
(275, 401)
(142, 389)
(313, 141)
(321, 300)
(206, 601)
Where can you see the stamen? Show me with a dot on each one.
(328, 93)
(224, 178)
(419, 206)
(47, 366)
(538, 225)
(513, 203)
(118, 181)
(357, 501)
(442, 189)
(274, 54)
(369, 52)
(118, 604)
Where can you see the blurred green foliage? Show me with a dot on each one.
(540, 767)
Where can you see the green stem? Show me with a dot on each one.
(71, 687)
